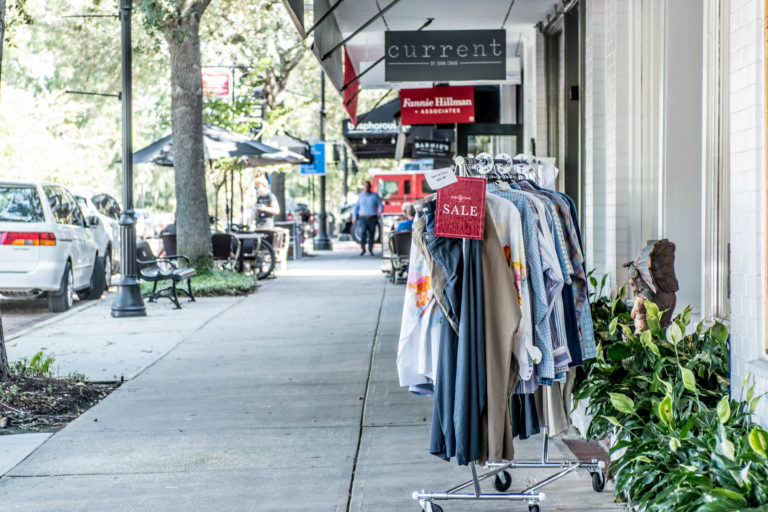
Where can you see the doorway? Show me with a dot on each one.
(489, 138)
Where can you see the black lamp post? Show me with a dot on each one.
(322, 241)
(128, 301)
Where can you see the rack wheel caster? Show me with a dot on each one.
(598, 481)
(434, 508)
(533, 508)
(502, 481)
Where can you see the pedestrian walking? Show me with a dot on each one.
(366, 215)
(266, 204)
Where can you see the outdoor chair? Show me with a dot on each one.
(399, 255)
(156, 270)
(226, 250)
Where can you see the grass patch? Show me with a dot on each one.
(213, 283)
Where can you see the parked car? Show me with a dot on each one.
(46, 246)
(103, 213)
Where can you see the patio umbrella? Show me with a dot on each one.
(292, 151)
(217, 143)
(220, 143)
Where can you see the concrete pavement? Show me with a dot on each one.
(286, 400)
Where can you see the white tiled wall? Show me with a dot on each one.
(747, 197)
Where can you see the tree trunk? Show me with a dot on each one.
(5, 371)
(278, 188)
(192, 229)
(2, 36)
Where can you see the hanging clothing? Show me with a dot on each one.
(540, 303)
(502, 329)
(419, 329)
(509, 229)
(461, 359)
(437, 277)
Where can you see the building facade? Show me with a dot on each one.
(653, 110)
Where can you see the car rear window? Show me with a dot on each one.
(20, 204)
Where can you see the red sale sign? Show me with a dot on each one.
(461, 209)
(216, 85)
(437, 105)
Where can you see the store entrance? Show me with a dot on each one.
(490, 138)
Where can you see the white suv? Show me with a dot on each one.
(46, 246)
(103, 213)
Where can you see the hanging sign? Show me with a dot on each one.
(431, 148)
(438, 105)
(461, 209)
(445, 55)
(216, 85)
(440, 178)
(318, 164)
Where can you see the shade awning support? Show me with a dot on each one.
(379, 61)
(362, 27)
(323, 18)
(374, 107)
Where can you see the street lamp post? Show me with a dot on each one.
(322, 241)
(128, 301)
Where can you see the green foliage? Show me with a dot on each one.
(38, 366)
(684, 445)
(216, 283)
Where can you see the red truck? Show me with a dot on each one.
(398, 187)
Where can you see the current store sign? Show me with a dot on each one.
(445, 55)
(438, 105)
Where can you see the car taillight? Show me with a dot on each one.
(25, 238)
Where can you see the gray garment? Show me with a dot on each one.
(461, 360)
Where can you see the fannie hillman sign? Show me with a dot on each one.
(445, 55)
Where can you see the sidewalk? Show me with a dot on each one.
(286, 400)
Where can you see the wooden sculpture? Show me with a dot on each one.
(652, 278)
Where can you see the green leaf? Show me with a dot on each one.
(733, 495)
(758, 440)
(719, 332)
(643, 458)
(674, 444)
(618, 352)
(728, 449)
(689, 381)
(753, 404)
(593, 281)
(687, 467)
(685, 316)
(674, 335)
(622, 403)
(665, 412)
(661, 381)
(627, 332)
(724, 410)
(651, 309)
(612, 325)
(612, 420)
(647, 340)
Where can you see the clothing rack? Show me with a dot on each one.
(500, 471)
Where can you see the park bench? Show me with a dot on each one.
(156, 270)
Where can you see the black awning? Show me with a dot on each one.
(375, 135)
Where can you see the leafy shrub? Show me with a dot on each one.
(684, 445)
(38, 366)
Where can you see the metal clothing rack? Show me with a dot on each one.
(503, 481)
(499, 470)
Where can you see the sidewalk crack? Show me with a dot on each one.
(365, 398)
